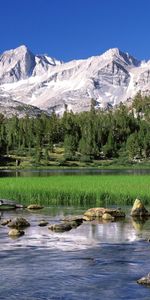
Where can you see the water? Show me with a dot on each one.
(52, 172)
(94, 261)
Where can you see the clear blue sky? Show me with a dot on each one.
(72, 29)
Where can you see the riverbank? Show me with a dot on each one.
(25, 164)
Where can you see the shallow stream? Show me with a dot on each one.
(94, 261)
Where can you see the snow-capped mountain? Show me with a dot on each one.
(49, 84)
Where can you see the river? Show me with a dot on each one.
(94, 261)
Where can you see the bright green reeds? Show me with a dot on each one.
(77, 190)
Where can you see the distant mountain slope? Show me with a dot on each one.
(9, 108)
(49, 84)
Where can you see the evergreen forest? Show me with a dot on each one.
(120, 134)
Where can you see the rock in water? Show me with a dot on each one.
(5, 222)
(35, 206)
(43, 223)
(61, 227)
(139, 210)
(77, 219)
(19, 223)
(15, 233)
(107, 217)
(144, 280)
(98, 212)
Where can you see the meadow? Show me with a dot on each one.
(77, 190)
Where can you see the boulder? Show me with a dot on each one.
(98, 212)
(144, 280)
(139, 210)
(15, 233)
(35, 206)
(107, 217)
(5, 222)
(19, 223)
(43, 223)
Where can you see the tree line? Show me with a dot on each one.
(123, 132)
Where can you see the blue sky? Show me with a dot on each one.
(72, 29)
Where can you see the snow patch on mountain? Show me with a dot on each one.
(49, 84)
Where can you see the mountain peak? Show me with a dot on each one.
(42, 81)
(113, 51)
(22, 48)
(16, 64)
(117, 54)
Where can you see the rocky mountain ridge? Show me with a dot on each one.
(50, 84)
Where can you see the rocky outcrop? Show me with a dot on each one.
(139, 210)
(19, 223)
(98, 212)
(35, 206)
(144, 280)
(15, 233)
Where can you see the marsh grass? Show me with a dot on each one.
(77, 190)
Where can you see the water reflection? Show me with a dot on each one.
(138, 223)
(52, 172)
(86, 235)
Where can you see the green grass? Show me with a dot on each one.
(77, 190)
